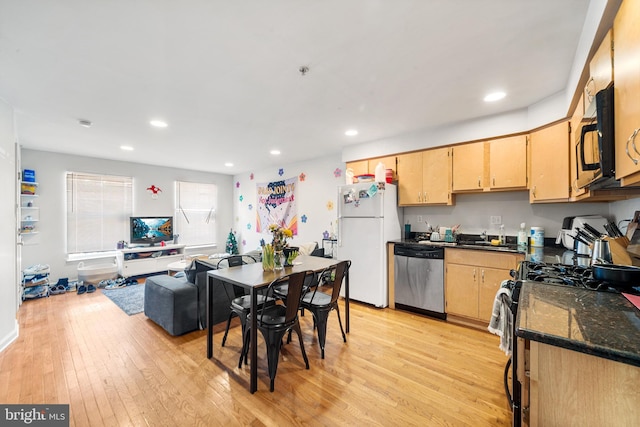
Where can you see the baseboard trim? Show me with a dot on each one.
(10, 337)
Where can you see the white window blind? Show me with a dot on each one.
(98, 211)
(196, 205)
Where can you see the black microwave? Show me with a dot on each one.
(595, 144)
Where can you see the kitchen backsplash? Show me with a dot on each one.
(474, 213)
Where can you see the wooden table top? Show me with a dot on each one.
(254, 276)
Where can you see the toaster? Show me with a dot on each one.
(572, 223)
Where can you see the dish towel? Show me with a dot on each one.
(501, 323)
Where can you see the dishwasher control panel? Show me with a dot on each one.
(422, 251)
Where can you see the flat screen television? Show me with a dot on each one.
(151, 229)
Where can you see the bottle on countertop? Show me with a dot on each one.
(501, 236)
(381, 173)
(522, 235)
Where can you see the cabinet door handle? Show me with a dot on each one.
(419, 196)
(494, 181)
(479, 182)
(632, 137)
(425, 198)
(534, 192)
(633, 142)
(482, 276)
(474, 274)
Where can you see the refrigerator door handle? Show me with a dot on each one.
(339, 221)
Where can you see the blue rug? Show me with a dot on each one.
(130, 299)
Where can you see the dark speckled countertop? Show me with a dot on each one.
(602, 324)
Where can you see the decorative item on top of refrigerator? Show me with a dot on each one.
(368, 218)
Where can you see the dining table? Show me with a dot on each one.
(253, 277)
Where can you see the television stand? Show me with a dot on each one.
(148, 259)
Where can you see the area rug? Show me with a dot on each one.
(130, 299)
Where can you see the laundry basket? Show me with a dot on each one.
(96, 273)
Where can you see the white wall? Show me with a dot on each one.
(316, 197)
(473, 212)
(49, 245)
(8, 227)
(624, 210)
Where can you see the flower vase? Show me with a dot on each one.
(278, 260)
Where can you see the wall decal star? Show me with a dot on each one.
(241, 198)
(238, 184)
(302, 176)
(303, 218)
(330, 205)
(325, 234)
(337, 173)
(281, 171)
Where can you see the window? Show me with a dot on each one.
(195, 215)
(98, 211)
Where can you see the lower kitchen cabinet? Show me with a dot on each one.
(563, 387)
(472, 278)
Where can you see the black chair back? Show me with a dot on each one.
(234, 261)
(338, 272)
(341, 270)
(295, 283)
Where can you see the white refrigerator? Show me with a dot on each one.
(368, 217)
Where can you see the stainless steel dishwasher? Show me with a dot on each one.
(419, 279)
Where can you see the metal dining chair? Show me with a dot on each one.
(276, 320)
(320, 304)
(241, 305)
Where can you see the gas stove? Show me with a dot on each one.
(568, 275)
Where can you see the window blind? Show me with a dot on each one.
(196, 205)
(98, 211)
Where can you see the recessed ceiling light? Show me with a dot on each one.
(158, 123)
(85, 123)
(495, 96)
(351, 132)
(126, 147)
(275, 152)
(228, 164)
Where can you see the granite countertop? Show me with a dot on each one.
(549, 254)
(602, 324)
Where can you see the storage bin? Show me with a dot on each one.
(94, 274)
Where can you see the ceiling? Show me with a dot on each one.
(225, 75)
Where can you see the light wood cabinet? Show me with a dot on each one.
(627, 92)
(468, 167)
(360, 167)
(608, 389)
(424, 177)
(600, 69)
(508, 163)
(495, 165)
(550, 164)
(368, 166)
(472, 278)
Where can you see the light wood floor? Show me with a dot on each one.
(117, 370)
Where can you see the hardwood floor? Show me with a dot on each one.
(117, 370)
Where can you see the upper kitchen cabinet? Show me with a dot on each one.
(424, 177)
(495, 165)
(468, 167)
(508, 163)
(550, 164)
(360, 167)
(574, 125)
(626, 61)
(600, 69)
(363, 167)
